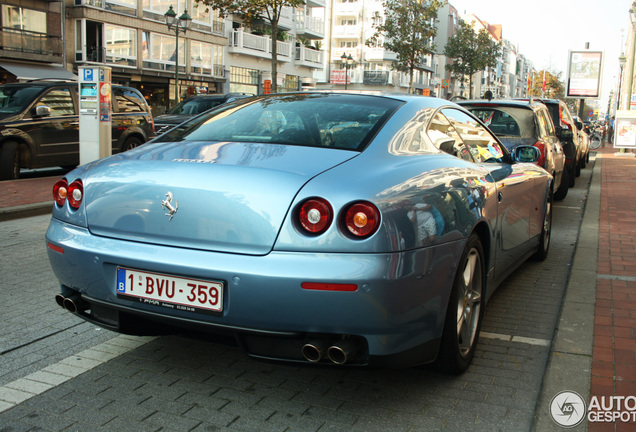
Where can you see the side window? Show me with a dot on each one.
(129, 101)
(545, 123)
(482, 145)
(60, 102)
(444, 137)
(566, 118)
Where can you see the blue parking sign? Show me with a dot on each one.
(88, 74)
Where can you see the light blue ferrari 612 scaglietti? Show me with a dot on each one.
(321, 227)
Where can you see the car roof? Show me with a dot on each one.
(532, 104)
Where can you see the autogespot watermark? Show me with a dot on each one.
(568, 409)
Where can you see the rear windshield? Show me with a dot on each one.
(196, 105)
(314, 119)
(507, 121)
(14, 99)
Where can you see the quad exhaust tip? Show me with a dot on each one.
(339, 352)
(72, 304)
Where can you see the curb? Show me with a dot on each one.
(26, 210)
(570, 359)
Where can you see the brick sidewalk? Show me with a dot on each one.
(27, 191)
(614, 354)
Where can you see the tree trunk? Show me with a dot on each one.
(274, 23)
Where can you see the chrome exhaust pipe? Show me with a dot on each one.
(75, 304)
(59, 299)
(313, 351)
(341, 352)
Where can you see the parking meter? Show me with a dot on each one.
(95, 133)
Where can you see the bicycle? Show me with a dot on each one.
(596, 139)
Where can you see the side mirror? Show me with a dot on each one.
(579, 125)
(528, 154)
(42, 111)
(565, 133)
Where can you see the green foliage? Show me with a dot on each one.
(554, 87)
(471, 51)
(252, 11)
(407, 29)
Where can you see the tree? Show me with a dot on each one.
(407, 30)
(554, 87)
(254, 10)
(471, 52)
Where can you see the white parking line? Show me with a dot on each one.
(16, 392)
(519, 339)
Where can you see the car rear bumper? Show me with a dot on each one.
(395, 316)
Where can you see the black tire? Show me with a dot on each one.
(577, 169)
(562, 191)
(9, 161)
(131, 143)
(571, 177)
(465, 310)
(546, 232)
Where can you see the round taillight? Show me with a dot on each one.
(75, 194)
(315, 215)
(60, 191)
(362, 219)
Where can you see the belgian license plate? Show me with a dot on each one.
(170, 291)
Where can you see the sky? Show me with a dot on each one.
(546, 30)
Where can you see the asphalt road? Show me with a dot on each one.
(85, 378)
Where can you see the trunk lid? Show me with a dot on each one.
(229, 197)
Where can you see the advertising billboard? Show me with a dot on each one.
(585, 70)
(625, 129)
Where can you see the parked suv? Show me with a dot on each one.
(191, 107)
(39, 124)
(568, 134)
(525, 123)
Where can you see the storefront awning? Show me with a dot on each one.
(28, 71)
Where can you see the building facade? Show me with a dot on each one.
(52, 39)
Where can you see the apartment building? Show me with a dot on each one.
(32, 40)
(349, 60)
(321, 44)
(131, 36)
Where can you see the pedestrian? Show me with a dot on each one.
(610, 130)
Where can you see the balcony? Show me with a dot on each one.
(347, 9)
(378, 54)
(310, 27)
(309, 57)
(336, 54)
(24, 41)
(286, 20)
(257, 46)
(347, 31)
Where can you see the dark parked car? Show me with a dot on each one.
(380, 245)
(39, 124)
(525, 123)
(584, 140)
(567, 133)
(191, 107)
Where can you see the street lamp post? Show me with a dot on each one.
(621, 62)
(177, 25)
(347, 61)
